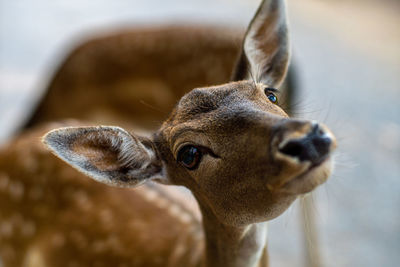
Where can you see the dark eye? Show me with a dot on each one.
(271, 96)
(189, 156)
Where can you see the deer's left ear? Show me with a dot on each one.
(265, 53)
(107, 154)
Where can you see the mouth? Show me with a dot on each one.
(312, 177)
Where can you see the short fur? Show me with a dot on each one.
(243, 180)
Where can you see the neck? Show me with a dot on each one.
(232, 246)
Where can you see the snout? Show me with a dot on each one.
(304, 150)
(314, 146)
(303, 141)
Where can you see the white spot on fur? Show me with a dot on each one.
(16, 190)
(28, 228)
(162, 203)
(98, 246)
(174, 210)
(185, 217)
(197, 233)
(4, 180)
(114, 243)
(34, 258)
(58, 240)
(29, 163)
(79, 239)
(106, 216)
(82, 200)
(177, 253)
(150, 195)
(16, 219)
(6, 229)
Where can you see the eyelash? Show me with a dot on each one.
(198, 153)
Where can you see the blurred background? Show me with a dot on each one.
(347, 57)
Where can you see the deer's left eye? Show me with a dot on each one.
(271, 96)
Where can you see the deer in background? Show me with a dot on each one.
(134, 78)
(243, 159)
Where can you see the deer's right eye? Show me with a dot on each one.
(269, 92)
(189, 156)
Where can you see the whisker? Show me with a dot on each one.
(252, 77)
(152, 107)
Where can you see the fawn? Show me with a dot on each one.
(243, 159)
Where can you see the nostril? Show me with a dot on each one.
(313, 147)
(317, 130)
(293, 148)
(322, 145)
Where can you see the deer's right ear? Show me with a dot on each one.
(265, 53)
(107, 154)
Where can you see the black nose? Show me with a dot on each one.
(314, 147)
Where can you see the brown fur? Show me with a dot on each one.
(243, 179)
(137, 76)
(134, 78)
(52, 214)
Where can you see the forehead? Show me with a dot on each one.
(231, 107)
(207, 100)
(212, 102)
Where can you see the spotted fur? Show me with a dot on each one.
(52, 216)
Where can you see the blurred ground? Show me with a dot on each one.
(348, 59)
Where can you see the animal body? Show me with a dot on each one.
(237, 151)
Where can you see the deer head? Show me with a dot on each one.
(232, 145)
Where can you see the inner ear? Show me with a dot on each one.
(265, 54)
(110, 150)
(108, 154)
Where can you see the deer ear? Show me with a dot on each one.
(265, 53)
(107, 154)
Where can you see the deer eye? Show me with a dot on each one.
(190, 157)
(271, 96)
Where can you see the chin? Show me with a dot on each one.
(309, 179)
